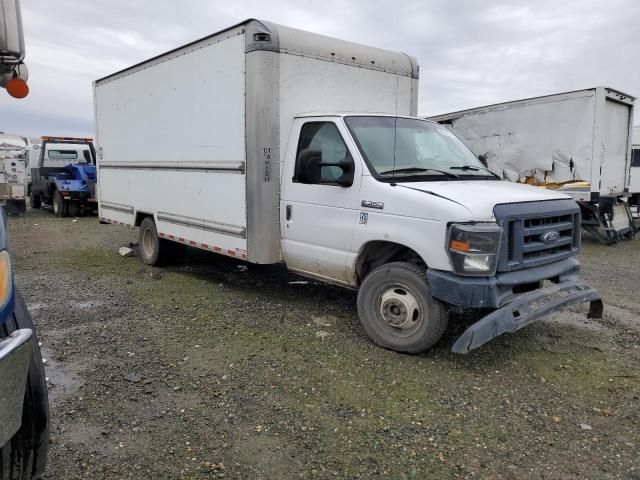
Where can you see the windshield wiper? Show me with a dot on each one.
(418, 170)
(473, 168)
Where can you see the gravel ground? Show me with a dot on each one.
(218, 369)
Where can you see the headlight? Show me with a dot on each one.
(473, 249)
(6, 281)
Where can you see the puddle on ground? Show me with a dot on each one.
(86, 305)
(35, 306)
(62, 378)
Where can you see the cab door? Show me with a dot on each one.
(319, 210)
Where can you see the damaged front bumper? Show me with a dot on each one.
(15, 352)
(525, 309)
(513, 309)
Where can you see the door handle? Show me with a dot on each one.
(287, 213)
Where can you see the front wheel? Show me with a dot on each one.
(60, 207)
(24, 456)
(397, 310)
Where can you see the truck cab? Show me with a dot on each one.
(369, 198)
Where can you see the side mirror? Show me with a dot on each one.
(309, 167)
(483, 160)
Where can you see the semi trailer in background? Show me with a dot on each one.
(634, 183)
(270, 144)
(578, 143)
(13, 182)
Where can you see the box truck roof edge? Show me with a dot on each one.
(612, 92)
(264, 35)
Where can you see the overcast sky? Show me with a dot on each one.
(470, 52)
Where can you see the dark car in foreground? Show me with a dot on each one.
(24, 406)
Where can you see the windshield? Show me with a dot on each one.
(407, 149)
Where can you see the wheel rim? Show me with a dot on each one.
(400, 309)
(147, 242)
(56, 205)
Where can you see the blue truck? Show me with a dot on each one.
(24, 406)
(64, 176)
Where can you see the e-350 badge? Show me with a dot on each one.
(372, 204)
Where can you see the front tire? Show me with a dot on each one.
(24, 456)
(397, 310)
(60, 207)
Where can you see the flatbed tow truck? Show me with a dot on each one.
(65, 176)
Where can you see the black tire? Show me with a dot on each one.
(34, 200)
(397, 311)
(24, 456)
(60, 207)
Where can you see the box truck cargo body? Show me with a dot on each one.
(578, 142)
(216, 115)
(271, 144)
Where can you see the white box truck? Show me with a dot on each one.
(271, 144)
(576, 142)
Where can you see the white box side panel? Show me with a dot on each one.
(172, 143)
(614, 151)
(551, 141)
(309, 85)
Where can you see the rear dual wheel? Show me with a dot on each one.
(397, 310)
(158, 251)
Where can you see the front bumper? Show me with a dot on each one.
(15, 352)
(494, 292)
(525, 309)
(512, 308)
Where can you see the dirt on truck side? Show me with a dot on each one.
(219, 369)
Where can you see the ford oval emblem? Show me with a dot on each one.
(550, 237)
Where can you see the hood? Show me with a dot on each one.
(480, 196)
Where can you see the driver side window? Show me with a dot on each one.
(323, 137)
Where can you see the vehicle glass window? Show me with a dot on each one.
(324, 137)
(62, 154)
(635, 157)
(408, 148)
(87, 156)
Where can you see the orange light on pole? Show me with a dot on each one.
(17, 87)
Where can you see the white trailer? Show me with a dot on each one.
(215, 145)
(13, 151)
(634, 182)
(577, 142)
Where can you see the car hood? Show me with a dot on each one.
(480, 196)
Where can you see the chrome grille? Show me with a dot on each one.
(527, 226)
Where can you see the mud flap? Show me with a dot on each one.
(525, 309)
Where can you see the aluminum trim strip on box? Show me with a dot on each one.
(118, 207)
(229, 167)
(217, 227)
